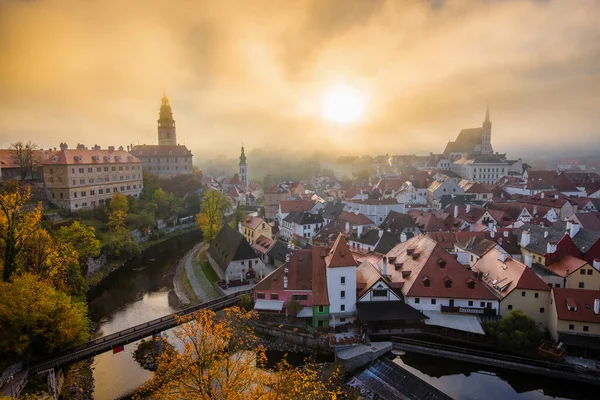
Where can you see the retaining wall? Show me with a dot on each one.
(301, 339)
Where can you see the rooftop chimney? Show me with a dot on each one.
(359, 230)
(502, 256)
(403, 237)
(573, 228)
(240, 227)
(542, 195)
(385, 266)
(545, 234)
(455, 211)
(380, 233)
(468, 207)
(64, 146)
(525, 238)
(347, 226)
(505, 234)
(551, 247)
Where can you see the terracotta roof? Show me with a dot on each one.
(319, 277)
(87, 156)
(340, 254)
(589, 220)
(366, 276)
(502, 277)
(154, 150)
(476, 245)
(263, 244)
(355, 218)
(427, 222)
(374, 201)
(288, 206)
(566, 263)
(396, 222)
(581, 304)
(422, 259)
(252, 222)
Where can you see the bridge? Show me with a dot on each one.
(117, 339)
(529, 365)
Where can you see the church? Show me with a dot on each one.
(167, 159)
(472, 141)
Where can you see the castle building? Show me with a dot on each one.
(83, 178)
(167, 159)
(243, 168)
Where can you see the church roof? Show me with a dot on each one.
(162, 150)
(466, 141)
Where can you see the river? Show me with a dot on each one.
(142, 290)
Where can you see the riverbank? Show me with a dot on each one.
(103, 272)
(190, 283)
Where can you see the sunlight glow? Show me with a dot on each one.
(343, 105)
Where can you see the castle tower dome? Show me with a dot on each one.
(167, 134)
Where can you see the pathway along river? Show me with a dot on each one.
(142, 290)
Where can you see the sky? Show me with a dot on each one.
(256, 72)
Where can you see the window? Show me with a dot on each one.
(343, 294)
(82, 181)
(581, 285)
(426, 283)
(557, 285)
(343, 307)
(81, 170)
(274, 296)
(590, 271)
(83, 194)
(105, 169)
(482, 304)
(536, 295)
(75, 194)
(417, 300)
(99, 169)
(470, 303)
(582, 271)
(380, 293)
(343, 280)
(100, 191)
(433, 301)
(342, 319)
(90, 170)
(261, 295)
(92, 192)
(522, 294)
(510, 306)
(541, 310)
(586, 328)
(107, 190)
(471, 285)
(571, 327)
(321, 309)
(448, 283)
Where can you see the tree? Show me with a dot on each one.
(517, 331)
(210, 219)
(37, 319)
(237, 217)
(116, 220)
(17, 224)
(118, 202)
(214, 363)
(24, 156)
(83, 238)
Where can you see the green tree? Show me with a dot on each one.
(17, 224)
(37, 319)
(82, 237)
(118, 202)
(210, 219)
(116, 220)
(237, 217)
(515, 332)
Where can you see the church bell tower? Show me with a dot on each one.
(243, 168)
(166, 124)
(486, 134)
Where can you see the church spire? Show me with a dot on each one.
(243, 168)
(166, 124)
(487, 113)
(242, 156)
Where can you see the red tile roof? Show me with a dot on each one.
(355, 218)
(566, 263)
(319, 277)
(340, 254)
(422, 258)
(581, 302)
(263, 244)
(154, 150)
(87, 156)
(288, 206)
(252, 222)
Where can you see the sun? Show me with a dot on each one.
(343, 105)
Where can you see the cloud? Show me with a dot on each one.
(94, 72)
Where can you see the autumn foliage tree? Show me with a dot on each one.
(17, 224)
(212, 211)
(219, 359)
(37, 319)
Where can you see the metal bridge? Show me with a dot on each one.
(530, 365)
(109, 342)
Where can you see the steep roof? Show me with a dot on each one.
(387, 242)
(86, 156)
(228, 246)
(396, 222)
(504, 276)
(427, 221)
(340, 254)
(589, 220)
(252, 222)
(422, 259)
(466, 141)
(154, 150)
(278, 250)
(476, 245)
(332, 209)
(581, 304)
(319, 277)
(355, 218)
(539, 237)
(566, 263)
(288, 206)
(366, 276)
(263, 244)
(303, 218)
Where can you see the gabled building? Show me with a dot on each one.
(471, 250)
(570, 272)
(398, 223)
(472, 140)
(341, 282)
(375, 209)
(516, 286)
(232, 257)
(254, 227)
(295, 205)
(301, 224)
(439, 188)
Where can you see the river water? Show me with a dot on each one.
(142, 290)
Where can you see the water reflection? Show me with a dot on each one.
(139, 291)
(462, 380)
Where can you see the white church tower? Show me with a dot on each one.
(243, 168)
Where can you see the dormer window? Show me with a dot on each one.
(398, 266)
(96, 158)
(106, 158)
(426, 282)
(409, 251)
(442, 263)
(447, 282)
(470, 283)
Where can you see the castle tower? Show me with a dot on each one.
(486, 134)
(166, 124)
(243, 168)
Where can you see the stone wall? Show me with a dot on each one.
(94, 264)
(355, 357)
(301, 339)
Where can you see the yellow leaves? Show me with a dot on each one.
(214, 204)
(118, 202)
(116, 220)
